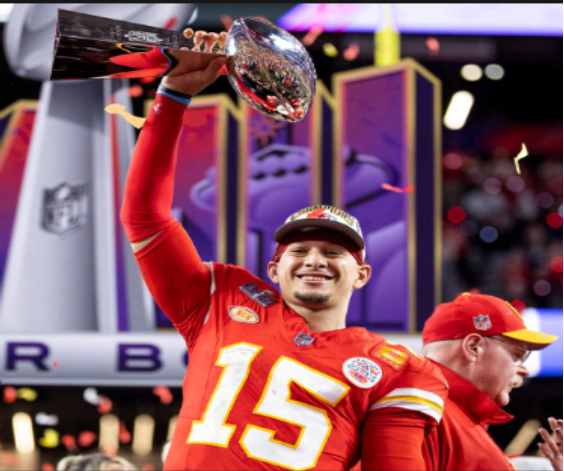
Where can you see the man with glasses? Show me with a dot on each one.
(480, 343)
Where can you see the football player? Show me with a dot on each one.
(275, 380)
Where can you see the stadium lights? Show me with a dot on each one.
(23, 433)
(109, 433)
(143, 430)
(471, 72)
(5, 10)
(458, 110)
(494, 72)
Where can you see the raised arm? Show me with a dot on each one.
(169, 262)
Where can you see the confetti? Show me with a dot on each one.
(86, 438)
(312, 35)
(433, 45)
(396, 189)
(55, 364)
(91, 396)
(105, 406)
(50, 439)
(524, 153)
(351, 53)
(227, 21)
(330, 50)
(115, 108)
(69, 442)
(124, 435)
(10, 395)
(163, 394)
(135, 91)
(47, 467)
(27, 394)
(46, 420)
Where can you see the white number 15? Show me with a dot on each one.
(257, 442)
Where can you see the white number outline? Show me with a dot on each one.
(240, 385)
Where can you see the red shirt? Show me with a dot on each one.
(261, 390)
(461, 440)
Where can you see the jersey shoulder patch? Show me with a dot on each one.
(397, 356)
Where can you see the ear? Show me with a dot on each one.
(364, 273)
(472, 347)
(272, 271)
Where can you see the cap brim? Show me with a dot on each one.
(296, 226)
(536, 340)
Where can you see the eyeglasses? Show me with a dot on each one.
(517, 360)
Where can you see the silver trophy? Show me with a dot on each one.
(268, 67)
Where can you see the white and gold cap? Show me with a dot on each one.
(322, 217)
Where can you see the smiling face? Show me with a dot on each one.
(318, 274)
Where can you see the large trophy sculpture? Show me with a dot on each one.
(69, 266)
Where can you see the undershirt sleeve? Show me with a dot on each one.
(171, 266)
(392, 439)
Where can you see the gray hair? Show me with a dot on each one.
(92, 462)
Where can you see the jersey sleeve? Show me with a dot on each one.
(415, 384)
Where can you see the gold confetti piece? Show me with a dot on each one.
(330, 50)
(27, 394)
(524, 153)
(116, 108)
(50, 438)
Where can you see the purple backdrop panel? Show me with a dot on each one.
(16, 125)
(372, 126)
(280, 171)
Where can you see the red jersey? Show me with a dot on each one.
(261, 390)
(461, 441)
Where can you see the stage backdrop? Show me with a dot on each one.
(371, 147)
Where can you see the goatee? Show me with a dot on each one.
(312, 298)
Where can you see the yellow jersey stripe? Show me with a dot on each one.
(415, 399)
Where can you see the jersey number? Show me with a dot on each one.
(257, 442)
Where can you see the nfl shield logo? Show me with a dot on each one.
(64, 208)
(303, 340)
(482, 322)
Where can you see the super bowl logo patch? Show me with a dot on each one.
(482, 322)
(362, 372)
(264, 297)
(243, 314)
(303, 340)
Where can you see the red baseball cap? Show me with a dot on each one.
(484, 315)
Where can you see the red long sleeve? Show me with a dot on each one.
(177, 278)
(392, 440)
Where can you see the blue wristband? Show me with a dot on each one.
(176, 96)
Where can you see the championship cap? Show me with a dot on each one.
(324, 218)
(484, 315)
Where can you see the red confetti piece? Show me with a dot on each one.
(147, 80)
(86, 438)
(556, 264)
(312, 35)
(105, 406)
(69, 442)
(9, 459)
(433, 45)
(227, 21)
(351, 52)
(164, 394)
(395, 189)
(554, 220)
(456, 215)
(135, 91)
(124, 435)
(519, 305)
(55, 364)
(47, 467)
(10, 395)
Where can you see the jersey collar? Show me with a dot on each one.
(477, 403)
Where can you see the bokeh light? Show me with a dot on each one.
(556, 264)
(135, 91)
(515, 184)
(554, 220)
(492, 186)
(456, 215)
(494, 71)
(330, 50)
(489, 234)
(452, 161)
(545, 200)
(470, 228)
(471, 72)
(542, 288)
